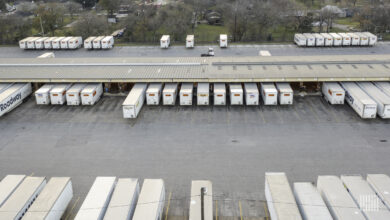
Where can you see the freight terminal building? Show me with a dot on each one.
(198, 69)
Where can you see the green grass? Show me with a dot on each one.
(347, 21)
(209, 33)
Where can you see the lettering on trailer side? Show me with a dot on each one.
(9, 103)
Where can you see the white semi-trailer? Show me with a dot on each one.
(8, 185)
(48, 42)
(165, 41)
(382, 99)
(56, 43)
(365, 197)
(40, 43)
(75, 42)
(223, 41)
(280, 199)
(13, 96)
(380, 183)
(22, 198)
(95, 204)
(190, 41)
(285, 93)
(337, 199)
(170, 93)
(88, 43)
(186, 93)
(328, 39)
(310, 39)
(134, 101)
(363, 105)
(384, 86)
(199, 187)
(333, 93)
(236, 94)
(42, 95)
(269, 93)
(58, 94)
(4, 86)
(320, 40)
(346, 39)
(251, 94)
(337, 39)
(219, 94)
(363, 39)
(123, 200)
(300, 40)
(310, 203)
(52, 201)
(91, 93)
(65, 42)
(23, 43)
(31, 43)
(153, 93)
(97, 44)
(355, 39)
(372, 39)
(108, 42)
(203, 94)
(150, 203)
(73, 94)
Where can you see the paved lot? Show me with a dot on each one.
(231, 146)
(181, 51)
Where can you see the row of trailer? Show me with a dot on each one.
(335, 39)
(368, 99)
(32, 198)
(56, 43)
(349, 197)
(165, 41)
(71, 94)
(99, 42)
(236, 93)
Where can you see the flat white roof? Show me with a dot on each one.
(90, 87)
(66, 39)
(354, 89)
(58, 39)
(170, 87)
(375, 93)
(284, 87)
(223, 36)
(76, 88)
(97, 39)
(150, 199)
(203, 87)
(90, 39)
(381, 184)
(10, 90)
(269, 87)
(335, 35)
(334, 86)
(190, 37)
(219, 87)
(251, 88)
(235, 87)
(186, 87)
(59, 88)
(195, 203)
(165, 37)
(135, 93)
(8, 185)
(44, 89)
(154, 87)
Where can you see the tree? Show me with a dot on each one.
(72, 7)
(87, 3)
(90, 24)
(13, 28)
(110, 5)
(2, 5)
(49, 17)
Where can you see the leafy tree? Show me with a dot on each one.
(91, 24)
(49, 17)
(87, 3)
(72, 7)
(110, 5)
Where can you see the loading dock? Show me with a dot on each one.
(73, 94)
(91, 93)
(219, 94)
(42, 95)
(186, 93)
(170, 93)
(285, 93)
(236, 94)
(153, 93)
(269, 93)
(203, 94)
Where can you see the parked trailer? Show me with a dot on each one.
(65, 42)
(23, 43)
(40, 43)
(372, 39)
(337, 199)
(56, 43)
(48, 42)
(165, 41)
(150, 203)
(98, 197)
(269, 93)
(365, 197)
(153, 93)
(384, 86)
(42, 95)
(251, 94)
(219, 94)
(91, 93)
(134, 101)
(186, 93)
(123, 201)
(13, 96)
(73, 95)
(97, 44)
(236, 94)
(190, 41)
(310, 203)
(223, 41)
(75, 42)
(359, 100)
(380, 183)
(346, 39)
(31, 43)
(8, 186)
(310, 40)
(197, 187)
(355, 39)
(285, 93)
(58, 94)
(382, 100)
(4, 86)
(170, 93)
(300, 40)
(52, 201)
(320, 40)
(88, 43)
(22, 198)
(337, 39)
(280, 199)
(328, 39)
(203, 94)
(363, 39)
(108, 42)
(333, 93)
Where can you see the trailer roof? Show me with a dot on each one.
(123, 199)
(354, 89)
(284, 87)
(149, 199)
(235, 87)
(47, 198)
(99, 38)
(190, 37)
(335, 35)
(195, 203)
(374, 92)
(198, 69)
(10, 90)
(334, 86)
(58, 39)
(90, 39)
(135, 93)
(20, 197)
(186, 87)
(269, 87)
(154, 87)
(203, 87)
(381, 184)
(165, 37)
(60, 88)
(50, 39)
(326, 35)
(251, 87)
(76, 88)
(219, 87)
(4, 86)
(8, 185)
(90, 87)
(45, 88)
(170, 87)
(42, 39)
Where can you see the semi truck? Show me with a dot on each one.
(134, 101)
(13, 96)
(363, 105)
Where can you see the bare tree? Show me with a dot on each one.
(72, 7)
(91, 24)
